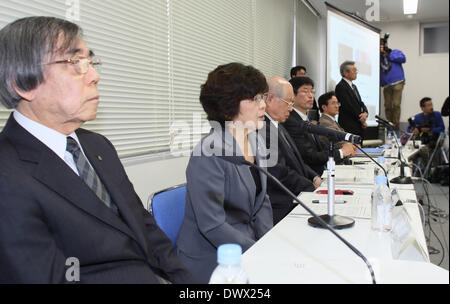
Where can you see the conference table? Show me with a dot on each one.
(293, 252)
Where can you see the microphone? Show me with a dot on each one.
(384, 170)
(402, 179)
(336, 136)
(385, 122)
(240, 161)
(387, 126)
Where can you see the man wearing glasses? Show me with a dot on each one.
(290, 168)
(329, 106)
(353, 111)
(68, 212)
(313, 151)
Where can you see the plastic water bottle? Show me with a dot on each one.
(394, 149)
(389, 140)
(381, 205)
(229, 270)
(378, 171)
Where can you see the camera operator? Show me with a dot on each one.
(429, 121)
(392, 80)
(427, 126)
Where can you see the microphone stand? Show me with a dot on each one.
(335, 221)
(321, 221)
(438, 143)
(402, 179)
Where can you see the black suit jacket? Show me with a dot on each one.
(289, 169)
(350, 108)
(314, 152)
(48, 214)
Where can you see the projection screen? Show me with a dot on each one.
(349, 38)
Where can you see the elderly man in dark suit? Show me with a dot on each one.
(353, 112)
(68, 212)
(290, 168)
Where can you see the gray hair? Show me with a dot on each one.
(345, 66)
(277, 86)
(24, 46)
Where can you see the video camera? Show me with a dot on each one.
(427, 138)
(384, 41)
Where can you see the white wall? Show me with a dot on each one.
(308, 43)
(149, 176)
(426, 75)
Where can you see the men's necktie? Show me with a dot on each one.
(355, 89)
(283, 136)
(313, 136)
(356, 92)
(88, 174)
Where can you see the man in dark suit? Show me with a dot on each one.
(290, 168)
(300, 71)
(68, 212)
(353, 111)
(314, 152)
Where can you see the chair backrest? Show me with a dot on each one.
(167, 207)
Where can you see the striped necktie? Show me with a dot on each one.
(88, 174)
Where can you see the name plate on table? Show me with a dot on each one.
(371, 151)
(361, 174)
(404, 243)
(357, 206)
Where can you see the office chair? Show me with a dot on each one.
(167, 207)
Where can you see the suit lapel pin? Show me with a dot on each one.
(99, 158)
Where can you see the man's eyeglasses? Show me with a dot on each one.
(260, 98)
(307, 91)
(81, 64)
(287, 102)
(334, 104)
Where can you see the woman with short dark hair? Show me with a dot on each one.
(226, 202)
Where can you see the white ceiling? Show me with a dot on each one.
(390, 10)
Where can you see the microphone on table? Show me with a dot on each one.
(335, 221)
(377, 163)
(402, 179)
(335, 136)
(385, 122)
(240, 161)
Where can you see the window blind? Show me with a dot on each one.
(273, 36)
(204, 34)
(157, 53)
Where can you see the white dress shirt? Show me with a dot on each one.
(54, 140)
(303, 116)
(350, 83)
(274, 122)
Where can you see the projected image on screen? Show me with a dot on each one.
(347, 39)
